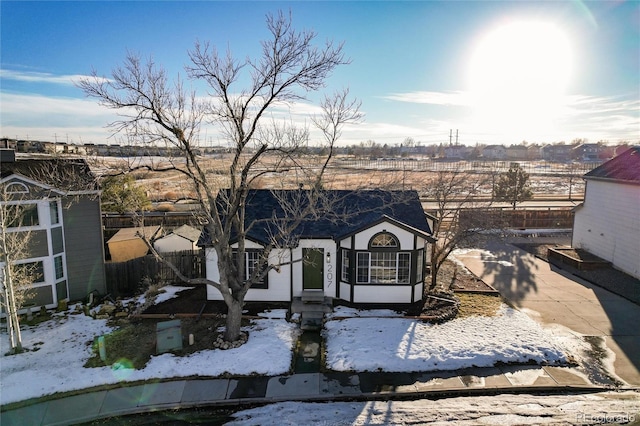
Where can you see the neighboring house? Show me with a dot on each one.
(559, 152)
(128, 244)
(181, 239)
(587, 152)
(57, 204)
(494, 152)
(607, 223)
(373, 252)
(517, 152)
(456, 152)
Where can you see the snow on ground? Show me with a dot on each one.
(169, 292)
(64, 345)
(361, 343)
(605, 407)
(398, 344)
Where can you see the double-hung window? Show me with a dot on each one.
(59, 268)
(251, 264)
(53, 212)
(383, 268)
(383, 264)
(345, 265)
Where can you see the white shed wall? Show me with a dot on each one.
(173, 242)
(608, 224)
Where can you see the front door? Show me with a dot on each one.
(312, 269)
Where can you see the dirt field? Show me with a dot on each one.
(171, 186)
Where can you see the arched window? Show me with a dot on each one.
(16, 188)
(384, 240)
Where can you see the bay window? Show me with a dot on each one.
(383, 263)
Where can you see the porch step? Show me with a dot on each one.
(311, 320)
(299, 306)
(312, 296)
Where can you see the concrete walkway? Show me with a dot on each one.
(555, 298)
(149, 397)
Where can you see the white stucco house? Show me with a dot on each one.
(607, 223)
(182, 238)
(373, 252)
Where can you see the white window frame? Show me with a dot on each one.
(345, 265)
(395, 270)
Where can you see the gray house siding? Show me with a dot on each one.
(38, 244)
(85, 258)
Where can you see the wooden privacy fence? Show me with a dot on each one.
(506, 217)
(127, 278)
(117, 221)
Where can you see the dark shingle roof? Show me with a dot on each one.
(64, 174)
(625, 167)
(341, 213)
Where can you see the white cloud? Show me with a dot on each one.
(41, 77)
(433, 98)
(45, 118)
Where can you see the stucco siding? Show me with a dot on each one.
(608, 224)
(381, 294)
(84, 248)
(279, 288)
(362, 239)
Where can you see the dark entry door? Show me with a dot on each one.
(312, 269)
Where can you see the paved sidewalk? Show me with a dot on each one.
(125, 400)
(553, 296)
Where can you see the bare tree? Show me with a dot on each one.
(454, 193)
(17, 279)
(155, 111)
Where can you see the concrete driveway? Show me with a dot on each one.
(551, 296)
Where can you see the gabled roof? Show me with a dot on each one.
(187, 232)
(625, 167)
(64, 174)
(127, 234)
(340, 213)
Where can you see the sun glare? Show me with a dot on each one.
(518, 76)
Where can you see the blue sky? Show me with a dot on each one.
(498, 72)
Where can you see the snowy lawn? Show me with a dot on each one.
(398, 344)
(365, 341)
(64, 345)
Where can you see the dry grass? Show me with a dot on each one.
(134, 342)
(476, 304)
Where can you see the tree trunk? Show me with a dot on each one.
(434, 269)
(234, 320)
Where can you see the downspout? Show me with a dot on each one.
(291, 275)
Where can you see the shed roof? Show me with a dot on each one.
(126, 234)
(624, 167)
(188, 232)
